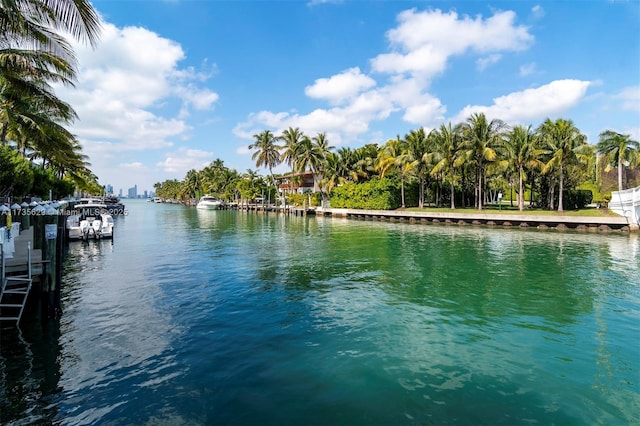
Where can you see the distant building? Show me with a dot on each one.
(108, 189)
(133, 192)
(120, 193)
(146, 195)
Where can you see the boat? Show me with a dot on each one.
(157, 200)
(92, 220)
(209, 203)
(114, 205)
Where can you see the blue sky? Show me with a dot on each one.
(176, 84)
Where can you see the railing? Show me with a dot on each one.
(627, 203)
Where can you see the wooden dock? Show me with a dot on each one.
(18, 274)
(19, 263)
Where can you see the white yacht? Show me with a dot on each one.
(209, 203)
(92, 220)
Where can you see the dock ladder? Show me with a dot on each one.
(14, 290)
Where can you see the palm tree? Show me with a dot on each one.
(418, 151)
(307, 157)
(447, 145)
(26, 72)
(35, 20)
(523, 153)
(33, 54)
(565, 143)
(322, 148)
(192, 184)
(336, 169)
(394, 156)
(481, 138)
(617, 149)
(266, 151)
(291, 138)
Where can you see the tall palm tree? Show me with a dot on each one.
(291, 139)
(266, 153)
(418, 152)
(394, 156)
(523, 153)
(566, 145)
(307, 157)
(321, 143)
(617, 149)
(481, 139)
(447, 147)
(34, 53)
(322, 148)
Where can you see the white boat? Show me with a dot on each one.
(209, 203)
(92, 220)
(157, 200)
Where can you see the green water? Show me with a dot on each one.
(221, 317)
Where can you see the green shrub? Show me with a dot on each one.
(376, 194)
(577, 198)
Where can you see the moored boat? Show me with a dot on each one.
(92, 220)
(209, 203)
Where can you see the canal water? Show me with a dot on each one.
(221, 317)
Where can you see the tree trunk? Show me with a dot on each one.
(453, 202)
(521, 189)
(619, 172)
(561, 188)
(402, 191)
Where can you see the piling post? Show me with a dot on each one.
(25, 220)
(45, 232)
(4, 213)
(15, 214)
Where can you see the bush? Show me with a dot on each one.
(577, 198)
(376, 194)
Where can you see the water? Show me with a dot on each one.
(220, 317)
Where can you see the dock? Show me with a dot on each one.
(20, 270)
(556, 222)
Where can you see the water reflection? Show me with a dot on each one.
(114, 330)
(226, 317)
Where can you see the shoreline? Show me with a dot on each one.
(560, 223)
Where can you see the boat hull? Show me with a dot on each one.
(209, 206)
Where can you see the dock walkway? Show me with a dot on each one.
(17, 274)
(581, 223)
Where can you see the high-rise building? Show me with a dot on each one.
(120, 193)
(108, 189)
(133, 192)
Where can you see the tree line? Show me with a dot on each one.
(459, 165)
(34, 134)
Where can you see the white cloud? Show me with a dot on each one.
(421, 45)
(181, 161)
(121, 85)
(341, 86)
(527, 69)
(484, 62)
(537, 11)
(424, 41)
(134, 165)
(530, 104)
(319, 2)
(630, 98)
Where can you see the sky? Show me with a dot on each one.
(176, 84)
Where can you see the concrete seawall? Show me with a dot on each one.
(565, 222)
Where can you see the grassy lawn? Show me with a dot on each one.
(507, 209)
